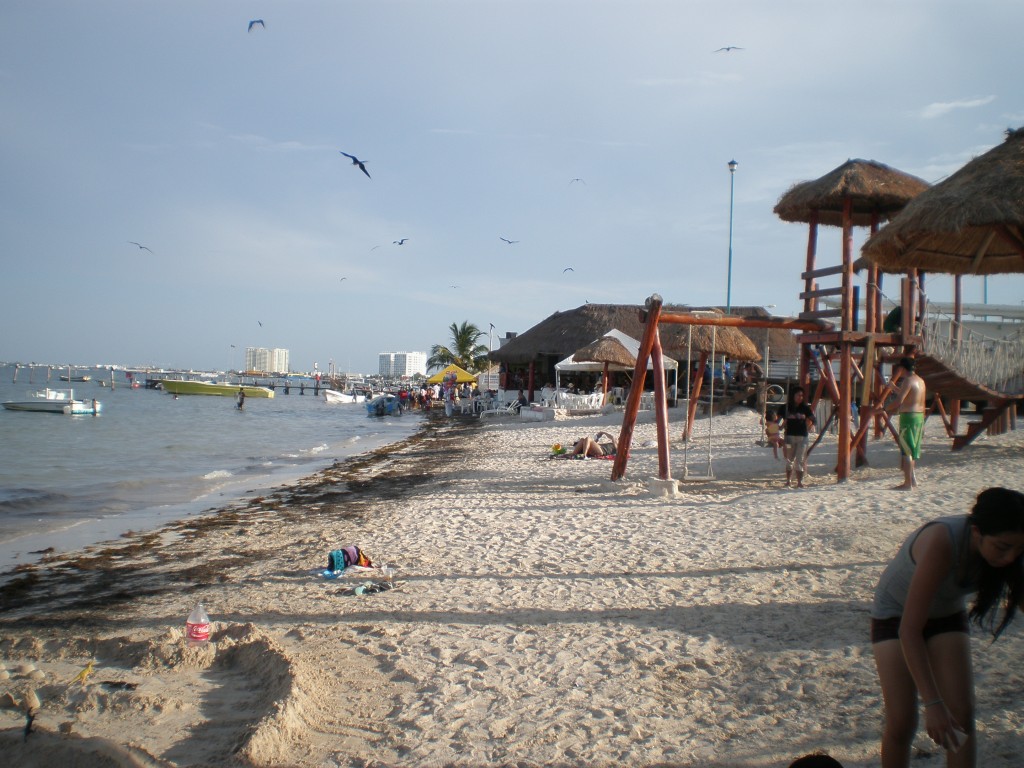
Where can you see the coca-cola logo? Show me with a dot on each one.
(197, 631)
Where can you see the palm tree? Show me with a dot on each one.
(464, 350)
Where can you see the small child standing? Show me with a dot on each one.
(773, 431)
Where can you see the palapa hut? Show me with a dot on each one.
(613, 351)
(541, 347)
(970, 223)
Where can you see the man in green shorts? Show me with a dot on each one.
(910, 401)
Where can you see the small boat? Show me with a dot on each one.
(334, 397)
(221, 388)
(75, 378)
(384, 405)
(55, 401)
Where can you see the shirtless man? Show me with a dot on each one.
(910, 402)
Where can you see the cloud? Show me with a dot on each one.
(940, 108)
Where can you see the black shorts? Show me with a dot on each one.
(889, 629)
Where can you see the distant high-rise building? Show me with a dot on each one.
(395, 364)
(266, 360)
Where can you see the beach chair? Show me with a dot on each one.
(502, 409)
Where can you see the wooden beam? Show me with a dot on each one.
(823, 272)
(660, 407)
(680, 318)
(653, 306)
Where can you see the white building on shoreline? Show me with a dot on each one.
(397, 364)
(266, 360)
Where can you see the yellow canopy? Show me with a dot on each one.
(461, 376)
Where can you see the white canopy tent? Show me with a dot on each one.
(569, 366)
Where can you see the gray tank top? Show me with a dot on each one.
(891, 592)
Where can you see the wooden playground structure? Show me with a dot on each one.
(956, 367)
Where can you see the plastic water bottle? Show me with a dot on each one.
(197, 627)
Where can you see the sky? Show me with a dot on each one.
(596, 135)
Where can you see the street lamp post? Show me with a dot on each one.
(732, 187)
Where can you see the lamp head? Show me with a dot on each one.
(732, 166)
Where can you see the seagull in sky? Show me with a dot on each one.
(374, 248)
(254, 22)
(140, 246)
(260, 322)
(568, 269)
(400, 242)
(343, 279)
(356, 161)
(729, 48)
(510, 242)
(573, 181)
(455, 286)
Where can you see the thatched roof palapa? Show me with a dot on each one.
(607, 349)
(561, 334)
(969, 223)
(874, 189)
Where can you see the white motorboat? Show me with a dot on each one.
(55, 401)
(334, 397)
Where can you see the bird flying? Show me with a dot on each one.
(343, 279)
(356, 161)
(260, 322)
(141, 247)
(729, 48)
(573, 181)
(568, 269)
(400, 242)
(254, 22)
(510, 242)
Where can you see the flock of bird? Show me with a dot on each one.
(361, 165)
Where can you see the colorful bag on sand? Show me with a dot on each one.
(340, 559)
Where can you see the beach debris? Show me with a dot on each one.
(197, 626)
(30, 717)
(368, 588)
(32, 703)
(119, 685)
(83, 676)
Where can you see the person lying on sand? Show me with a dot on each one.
(589, 446)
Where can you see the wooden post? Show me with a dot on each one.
(810, 304)
(660, 407)
(533, 367)
(846, 347)
(653, 307)
(958, 330)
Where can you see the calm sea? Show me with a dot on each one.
(149, 459)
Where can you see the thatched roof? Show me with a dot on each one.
(723, 340)
(781, 342)
(874, 188)
(969, 223)
(561, 334)
(607, 349)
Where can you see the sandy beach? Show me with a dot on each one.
(542, 614)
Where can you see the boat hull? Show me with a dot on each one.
(334, 397)
(180, 387)
(55, 401)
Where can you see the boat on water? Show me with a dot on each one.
(334, 397)
(221, 388)
(384, 405)
(55, 401)
(86, 377)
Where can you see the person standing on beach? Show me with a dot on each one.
(910, 402)
(920, 626)
(798, 417)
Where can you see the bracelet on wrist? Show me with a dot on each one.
(932, 703)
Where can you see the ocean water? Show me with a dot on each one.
(149, 459)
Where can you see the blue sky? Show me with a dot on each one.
(171, 125)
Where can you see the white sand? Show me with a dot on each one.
(545, 616)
